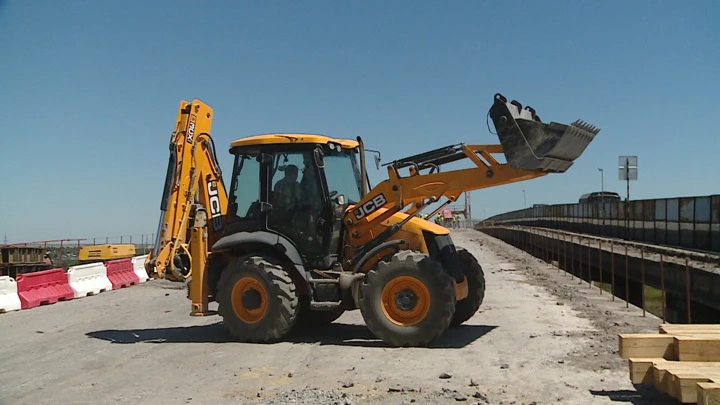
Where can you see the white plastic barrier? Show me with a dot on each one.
(88, 279)
(139, 267)
(9, 299)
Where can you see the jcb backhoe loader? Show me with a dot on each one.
(300, 238)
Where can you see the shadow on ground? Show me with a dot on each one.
(642, 395)
(338, 334)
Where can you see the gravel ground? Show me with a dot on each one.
(539, 338)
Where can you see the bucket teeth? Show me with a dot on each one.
(586, 127)
(530, 144)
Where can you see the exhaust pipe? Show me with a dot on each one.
(530, 144)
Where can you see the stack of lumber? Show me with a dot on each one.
(682, 361)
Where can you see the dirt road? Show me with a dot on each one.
(539, 338)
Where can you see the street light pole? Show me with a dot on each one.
(602, 195)
(524, 200)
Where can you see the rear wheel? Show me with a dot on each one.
(257, 300)
(408, 300)
(467, 307)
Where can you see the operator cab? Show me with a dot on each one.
(297, 187)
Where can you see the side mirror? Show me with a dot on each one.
(319, 157)
(376, 157)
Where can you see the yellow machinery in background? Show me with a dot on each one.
(301, 236)
(104, 253)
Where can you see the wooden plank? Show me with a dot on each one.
(641, 369)
(661, 377)
(697, 348)
(673, 329)
(647, 345)
(683, 385)
(708, 393)
(663, 374)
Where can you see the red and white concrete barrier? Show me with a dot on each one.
(88, 279)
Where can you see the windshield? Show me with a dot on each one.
(342, 173)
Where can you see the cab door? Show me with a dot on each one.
(342, 176)
(247, 199)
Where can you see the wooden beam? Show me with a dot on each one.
(647, 345)
(683, 385)
(708, 393)
(698, 347)
(641, 369)
(691, 329)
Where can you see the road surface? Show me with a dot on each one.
(539, 338)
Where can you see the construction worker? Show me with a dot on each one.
(47, 260)
(288, 195)
(447, 217)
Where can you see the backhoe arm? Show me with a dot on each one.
(194, 193)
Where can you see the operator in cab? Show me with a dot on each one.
(288, 194)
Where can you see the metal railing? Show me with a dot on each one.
(686, 222)
(64, 252)
(610, 266)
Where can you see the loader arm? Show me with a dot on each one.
(531, 149)
(419, 189)
(194, 191)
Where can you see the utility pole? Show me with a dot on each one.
(5, 242)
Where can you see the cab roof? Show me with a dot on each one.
(273, 139)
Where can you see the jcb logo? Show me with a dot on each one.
(370, 207)
(215, 212)
(191, 129)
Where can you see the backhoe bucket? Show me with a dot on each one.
(529, 144)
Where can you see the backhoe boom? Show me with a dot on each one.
(194, 191)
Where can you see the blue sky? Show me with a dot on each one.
(90, 91)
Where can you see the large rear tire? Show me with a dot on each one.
(257, 300)
(466, 308)
(408, 300)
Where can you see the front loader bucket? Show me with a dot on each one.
(530, 144)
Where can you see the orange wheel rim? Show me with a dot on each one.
(249, 300)
(405, 301)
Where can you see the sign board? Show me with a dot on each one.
(628, 167)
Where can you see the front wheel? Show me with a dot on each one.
(257, 300)
(467, 307)
(408, 300)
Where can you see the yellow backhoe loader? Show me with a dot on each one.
(300, 236)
